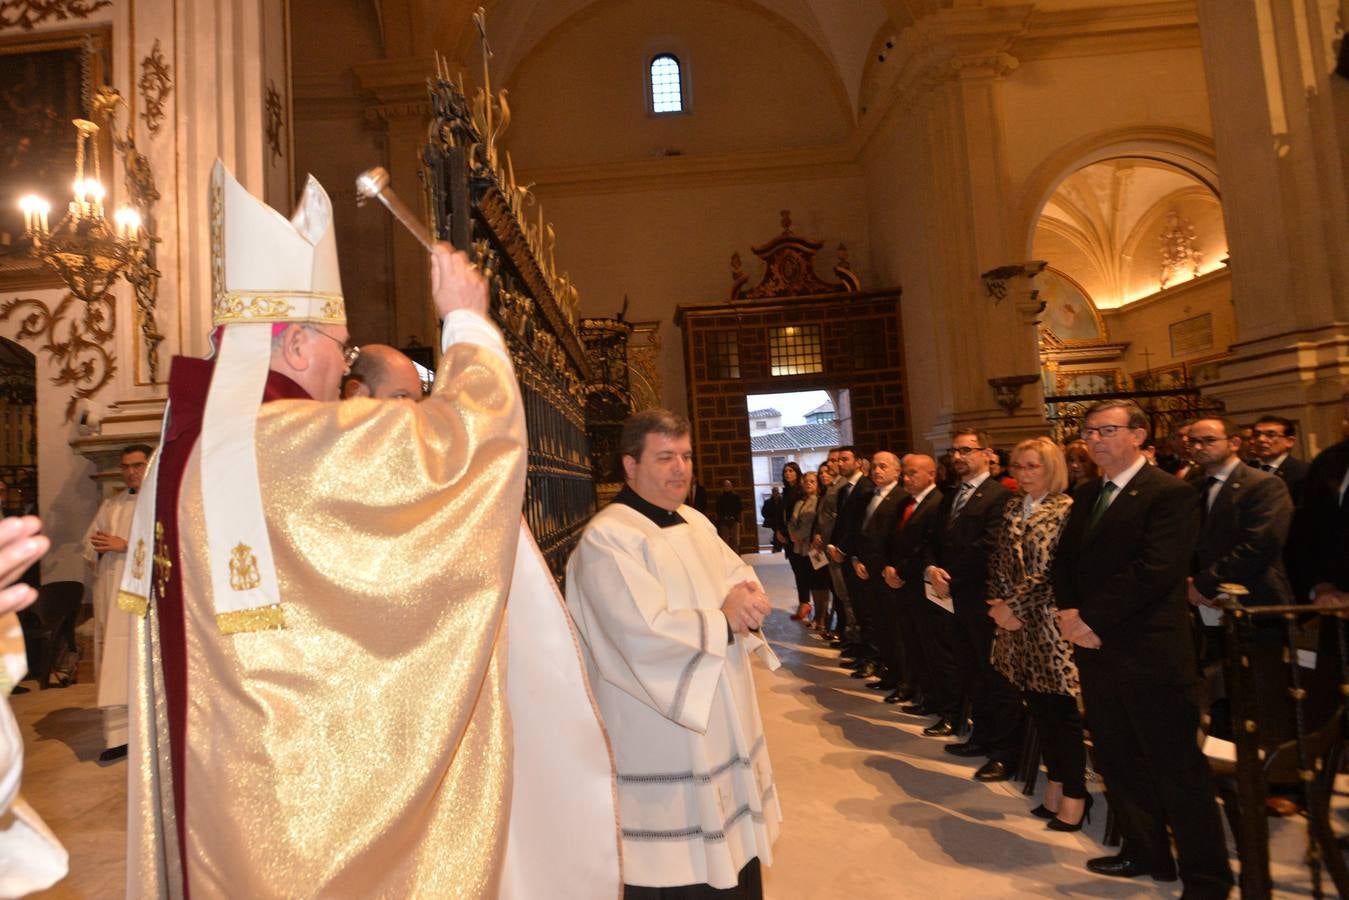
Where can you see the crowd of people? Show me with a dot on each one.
(1078, 587)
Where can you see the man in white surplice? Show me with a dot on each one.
(667, 615)
(105, 549)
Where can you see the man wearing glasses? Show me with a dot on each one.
(1272, 442)
(105, 545)
(970, 520)
(1120, 583)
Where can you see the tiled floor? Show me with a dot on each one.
(873, 809)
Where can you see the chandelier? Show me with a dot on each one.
(87, 250)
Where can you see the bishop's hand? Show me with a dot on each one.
(456, 283)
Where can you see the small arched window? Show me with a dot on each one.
(667, 90)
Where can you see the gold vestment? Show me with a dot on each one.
(364, 749)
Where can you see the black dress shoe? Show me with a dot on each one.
(856, 662)
(112, 754)
(966, 749)
(886, 683)
(940, 728)
(1123, 867)
(918, 709)
(993, 770)
(866, 670)
(904, 693)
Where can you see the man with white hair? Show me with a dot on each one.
(321, 703)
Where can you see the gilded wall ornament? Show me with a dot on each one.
(75, 337)
(27, 13)
(1180, 251)
(276, 120)
(156, 83)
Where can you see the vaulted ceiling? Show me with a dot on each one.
(842, 30)
(1105, 225)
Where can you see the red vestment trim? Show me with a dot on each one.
(189, 381)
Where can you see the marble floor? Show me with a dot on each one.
(872, 808)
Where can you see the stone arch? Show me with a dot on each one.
(1187, 150)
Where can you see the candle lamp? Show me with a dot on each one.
(88, 250)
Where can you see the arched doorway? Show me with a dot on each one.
(18, 427)
(1137, 296)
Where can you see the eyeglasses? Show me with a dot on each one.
(966, 451)
(1266, 433)
(1105, 431)
(350, 353)
(1204, 441)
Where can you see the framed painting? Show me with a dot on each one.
(46, 80)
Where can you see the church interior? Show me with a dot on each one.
(965, 213)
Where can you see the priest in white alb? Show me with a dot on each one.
(105, 549)
(668, 617)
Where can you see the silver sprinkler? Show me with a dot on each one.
(373, 184)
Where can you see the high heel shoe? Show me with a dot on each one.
(1057, 824)
(1043, 812)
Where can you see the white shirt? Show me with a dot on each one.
(1121, 481)
(922, 495)
(1222, 475)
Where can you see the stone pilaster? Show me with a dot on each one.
(402, 108)
(1281, 133)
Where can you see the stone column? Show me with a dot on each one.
(1281, 133)
(954, 61)
(403, 110)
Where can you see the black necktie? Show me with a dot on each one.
(843, 493)
(1209, 482)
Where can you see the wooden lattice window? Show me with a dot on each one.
(795, 350)
(866, 339)
(723, 355)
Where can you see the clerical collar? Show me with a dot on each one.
(662, 517)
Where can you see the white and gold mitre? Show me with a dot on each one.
(268, 269)
(265, 271)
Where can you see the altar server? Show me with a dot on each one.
(105, 546)
(667, 615)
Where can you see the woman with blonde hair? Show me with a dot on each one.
(1028, 648)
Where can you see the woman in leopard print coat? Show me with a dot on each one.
(1028, 648)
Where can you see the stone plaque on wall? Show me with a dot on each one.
(1192, 335)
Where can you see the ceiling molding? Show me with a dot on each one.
(1124, 28)
(670, 172)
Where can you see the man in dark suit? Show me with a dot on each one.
(919, 622)
(971, 518)
(1321, 552)
(1272, 441)
(853, 498)
(1246, 516)
(876, 605)
(1119, 581)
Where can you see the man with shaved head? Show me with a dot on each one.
(874, 603)
(382, 372)
(923, 629)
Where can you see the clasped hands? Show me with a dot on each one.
(1076, 631)
(746, 606)
(1002, 614)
